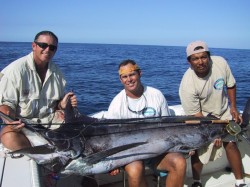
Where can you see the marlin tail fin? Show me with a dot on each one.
(245, 132)
(246, 114)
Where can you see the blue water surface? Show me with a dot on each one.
(91, 70)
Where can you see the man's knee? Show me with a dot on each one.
(176, 162)
(135, 169)
(13, 140)
(180, 163)
(6, 135)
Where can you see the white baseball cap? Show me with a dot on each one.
(196, 47)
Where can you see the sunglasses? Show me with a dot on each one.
(45, 45)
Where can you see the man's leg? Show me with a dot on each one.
(136, 174)
(13, 140)
(234, 158)
(196, 166)
(196, 169)
(176, 165)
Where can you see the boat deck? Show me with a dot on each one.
(222, 178)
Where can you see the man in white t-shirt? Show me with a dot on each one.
(203, 91)
(139, 101)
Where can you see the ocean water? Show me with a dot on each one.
(91, 70)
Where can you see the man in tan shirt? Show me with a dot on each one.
(32, 87)
(202, 92)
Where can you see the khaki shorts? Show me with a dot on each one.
(211, 153)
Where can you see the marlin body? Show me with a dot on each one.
(85, 145)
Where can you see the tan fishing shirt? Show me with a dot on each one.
(22, 90)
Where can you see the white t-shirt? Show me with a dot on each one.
(22, 90)
(207, 94)
(151, 104)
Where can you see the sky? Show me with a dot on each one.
(220, 23)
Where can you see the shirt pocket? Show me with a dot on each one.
(28, 108)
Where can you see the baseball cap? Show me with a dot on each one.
(196, 47)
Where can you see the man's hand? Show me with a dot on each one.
(191, 153)
(218, 142)
(16, 125)
(62, 104)
(236, 115)
(114, 172)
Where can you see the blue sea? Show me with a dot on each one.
(91, 70)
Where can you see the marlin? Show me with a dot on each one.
(85, 145)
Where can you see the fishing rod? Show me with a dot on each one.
(231, 127)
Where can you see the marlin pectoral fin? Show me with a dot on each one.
(41, 149)
(96, 157)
